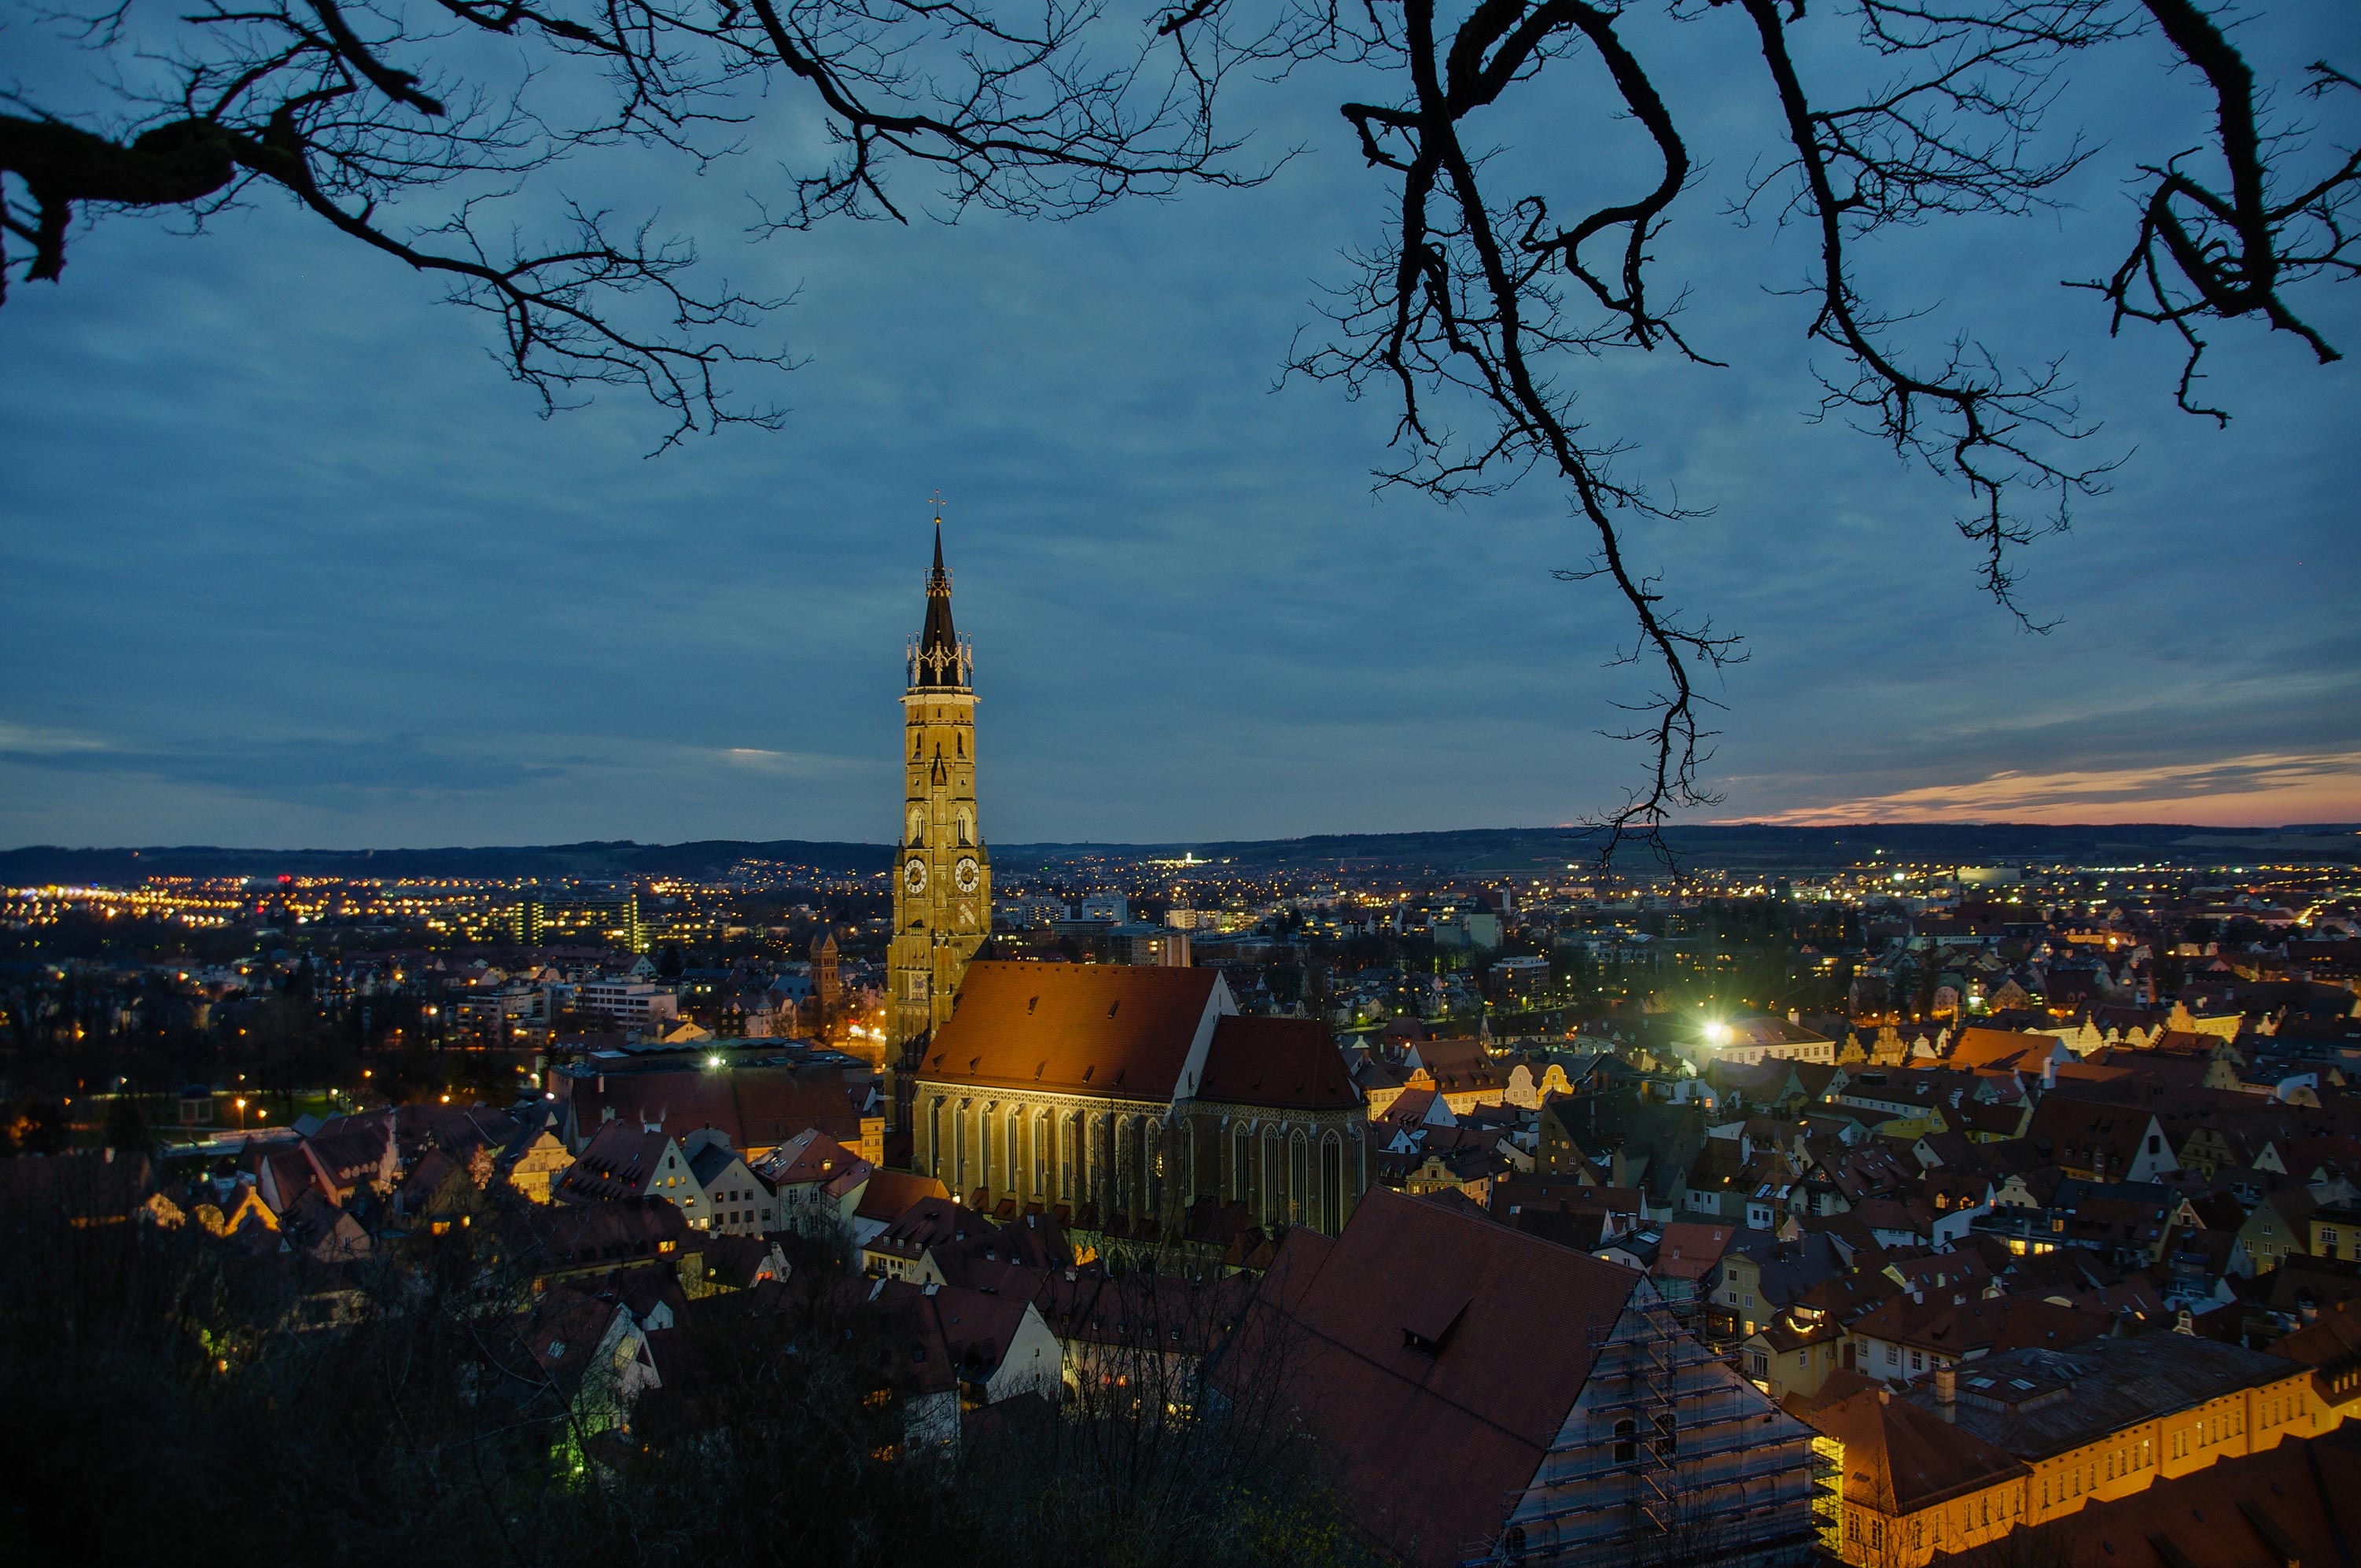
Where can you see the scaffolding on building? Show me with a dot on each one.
(1670, 1433)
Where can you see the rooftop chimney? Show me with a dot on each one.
(1947, 1392)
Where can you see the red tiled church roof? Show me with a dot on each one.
(1285, 1062)
(1110, 1030)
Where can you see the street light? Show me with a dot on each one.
(241, 1112)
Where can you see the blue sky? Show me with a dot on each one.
(285, 561)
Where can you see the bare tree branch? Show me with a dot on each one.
(1475, 313)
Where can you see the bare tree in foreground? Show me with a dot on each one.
(397, 127)
(1479, 305)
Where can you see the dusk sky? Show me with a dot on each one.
(288, 561)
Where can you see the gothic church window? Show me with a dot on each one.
(1331, 1184)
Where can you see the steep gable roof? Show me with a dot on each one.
(810, 1157)
(1460, 1066)
(618, 1162)
(1286, 1062)
(1480, 1351)
(1110, 1030)
(892, 1193)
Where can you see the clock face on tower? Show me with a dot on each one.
(967, 873)
(914, 875)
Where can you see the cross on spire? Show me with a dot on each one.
(937, 660)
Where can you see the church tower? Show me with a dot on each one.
(942, 877)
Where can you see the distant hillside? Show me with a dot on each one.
(620, 858)
(1744, 847)
(1753, 847)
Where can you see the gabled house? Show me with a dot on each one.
(884, 1197)
(997, 1346)
(2279, 1227)
(1557, 1405)
(2100, 1141)
(625, 1161)
(818, 1183)
(736, 1203)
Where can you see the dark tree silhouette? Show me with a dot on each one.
(1473, 314)
(344, 109)
(1484, 294)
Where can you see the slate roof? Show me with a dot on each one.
(2036, 1402)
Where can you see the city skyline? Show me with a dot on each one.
(1545, 783)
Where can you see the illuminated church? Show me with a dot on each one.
(1133, 1103)
(943, 883)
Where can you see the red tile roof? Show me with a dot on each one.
(1977, 1048)
(1460, 1066)
(1437, 1387)
(1691, 1250)
(812, 1155)
(2297, 1502)
(891, 1193)
(618, 1162)
(1899, 1458)
(975, 1328)
(1292, 1063)
(757, 1107)
(1113, 1030)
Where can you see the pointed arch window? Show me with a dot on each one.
(1331, 1184)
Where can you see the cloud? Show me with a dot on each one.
(2260, 788)
(275, 531)
(792, 765)
(32, 741)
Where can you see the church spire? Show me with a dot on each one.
(938, 660)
